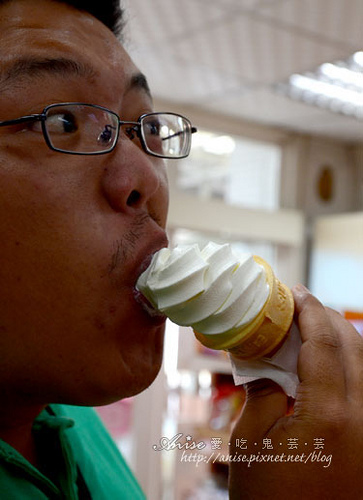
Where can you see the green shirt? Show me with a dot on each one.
(70, 439)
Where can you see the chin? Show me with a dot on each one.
(122, 365)
(138, 384)
(101, 392)
(135, 385)
(129, 376)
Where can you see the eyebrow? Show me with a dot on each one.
(139, 81)
(29, 67)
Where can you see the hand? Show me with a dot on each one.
(328, 413)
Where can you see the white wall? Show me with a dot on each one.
(303, 162)
(337, 261)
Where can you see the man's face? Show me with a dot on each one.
(76, 230)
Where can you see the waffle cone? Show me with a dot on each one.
(262, 336)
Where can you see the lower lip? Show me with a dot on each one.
(156, 315)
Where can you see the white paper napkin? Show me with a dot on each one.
(281, 368)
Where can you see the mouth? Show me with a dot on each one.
(148, 307)
(146, 263)
(139, 296)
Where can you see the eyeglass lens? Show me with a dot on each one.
(166, 134)
(89, 129)
(81, 128)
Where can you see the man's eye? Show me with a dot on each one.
(107, 135)
(152, 127)
(62, 123)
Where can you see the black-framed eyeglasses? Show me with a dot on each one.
(88, 129)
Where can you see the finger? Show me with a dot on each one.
(320, 361)
(265, 404)
(352, 354)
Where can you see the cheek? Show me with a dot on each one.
(162, 199)
(110, 361)
(43, 244)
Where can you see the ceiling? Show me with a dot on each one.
(225, 56)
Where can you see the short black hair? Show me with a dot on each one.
(109, 12)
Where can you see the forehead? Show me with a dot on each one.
(43, 29)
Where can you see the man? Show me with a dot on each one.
(82, 210)
(77, 230)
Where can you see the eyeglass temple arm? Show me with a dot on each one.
(192, 131)
(22, 119)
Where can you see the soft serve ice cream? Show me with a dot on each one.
(225, 298)
(210, 290)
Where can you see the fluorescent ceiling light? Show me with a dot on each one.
(342, 75)
(358, 58)
(336, 86)
(326, 89)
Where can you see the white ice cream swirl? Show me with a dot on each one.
(212, 290)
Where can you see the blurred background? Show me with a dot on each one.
(275, 88)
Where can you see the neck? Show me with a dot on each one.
(16, 423)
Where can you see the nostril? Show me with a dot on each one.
(133, 198)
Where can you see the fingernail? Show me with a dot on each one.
(301, 288)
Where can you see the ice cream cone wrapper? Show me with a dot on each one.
(262, 336)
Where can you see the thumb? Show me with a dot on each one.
(265, 404)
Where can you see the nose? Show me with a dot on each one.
(133, 180)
